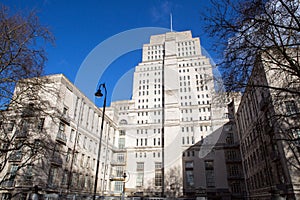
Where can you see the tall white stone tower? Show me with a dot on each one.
(170, 110)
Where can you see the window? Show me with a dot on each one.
(75, 158)
(90, 145)
(93, 162)
(64, 179)
(84, 142)
(82, 160)
(13, 171)
(40, 124)
(158, 174)
(231, 155)
(76, 105)
(78, 139)
(6, 196)
(234, 170)
(68, 155)
(296, 135)
(140, 174)
(118, 186)
(209, 173)
(291, 107)
(121, 143)
(120, 158)
(88, 162)
(119, 171)
(236, 187)
(24, 127)
(122, 122)
(189, 177)
(96, 147)
(52, 176)
(72, 135)
(28, 173)
(189, 165)
(65, 111)
(122, 132)
(229, 138)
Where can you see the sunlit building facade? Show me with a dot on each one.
(69, 127)
(170, 110)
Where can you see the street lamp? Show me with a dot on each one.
(100, 94)
(123, 193)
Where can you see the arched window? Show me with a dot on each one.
(122, 122)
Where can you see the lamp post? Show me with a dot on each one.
(123, 192)
(100, 94)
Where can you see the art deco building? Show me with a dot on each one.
(269, 129)
(170, 110)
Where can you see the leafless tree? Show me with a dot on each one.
(249, 28)
(22, 54)
(22, 58)
(172, 181)
(259, 41)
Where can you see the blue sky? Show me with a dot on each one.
(79, 26)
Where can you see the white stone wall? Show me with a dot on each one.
(188, 90)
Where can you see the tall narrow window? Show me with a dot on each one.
(121, 143)
(209, 173)
(78, 139)
(72, 135)
(140, 174)
(52, 176)
(40, 124)
(13, 171)
(68, 154)
(189, 173)
(158, 174)
(61, 127)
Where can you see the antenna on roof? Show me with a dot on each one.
(171, 22)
